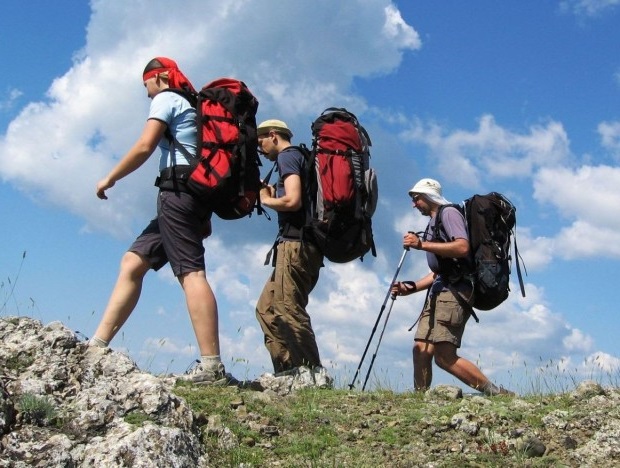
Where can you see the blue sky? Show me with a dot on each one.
(516, 97)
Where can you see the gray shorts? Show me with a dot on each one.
(442, 320)
(176, 234)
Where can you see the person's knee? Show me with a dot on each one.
(193, 277)
(445, 356)
(422, 351)
(134, 265)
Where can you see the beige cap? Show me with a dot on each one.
(274, 124)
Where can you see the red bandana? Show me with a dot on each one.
(176, 79)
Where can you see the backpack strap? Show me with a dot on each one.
(463, 303)
(455, 263)
(308, 195)
(174, 177)
(456, 268)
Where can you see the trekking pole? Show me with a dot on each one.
(372, 361)
(374, 329)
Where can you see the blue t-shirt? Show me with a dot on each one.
(180, 117)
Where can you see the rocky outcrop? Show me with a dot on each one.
(63, 403)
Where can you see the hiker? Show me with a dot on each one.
(176, 234)
(281, 307)
(442, 321)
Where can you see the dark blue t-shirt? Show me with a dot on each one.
(289, 162)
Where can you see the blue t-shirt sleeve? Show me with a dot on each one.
(290, 162)
(180, 118)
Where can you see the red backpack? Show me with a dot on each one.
(346, 186)
(225, 173)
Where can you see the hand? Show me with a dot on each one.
(411, 240)
(266, 192)
(102, 186)
(403, 288)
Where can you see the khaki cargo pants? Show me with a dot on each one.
(281, 307)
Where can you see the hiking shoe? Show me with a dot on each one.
(217, 377)
(501, 391)
(505, 391)
(285, 373)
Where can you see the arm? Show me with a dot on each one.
(135, 157)
(291, 201)
(458, 248)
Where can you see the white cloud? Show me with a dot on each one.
(95, 110)
(537, 252)
(588, 7)
(603, 362)
(610, 137)
(395, 28)
(57, 150)
(586, 195)
(577, 341)
(491, 151)
(8, 102)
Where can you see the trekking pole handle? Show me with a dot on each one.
(419, 246)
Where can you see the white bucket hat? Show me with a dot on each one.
(431, 189)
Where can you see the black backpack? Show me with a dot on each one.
(490, 220)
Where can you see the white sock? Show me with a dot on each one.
(94, 341)
(211, 362)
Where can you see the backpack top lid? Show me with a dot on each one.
(338, 130)
(339, 135)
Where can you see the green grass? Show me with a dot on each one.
(136, 418)
(37, 410)
(315, 427)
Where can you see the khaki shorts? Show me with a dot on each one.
(442, 320)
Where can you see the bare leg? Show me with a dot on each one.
(124, 296)
(202, 308)
(422, 365)
(464, 370)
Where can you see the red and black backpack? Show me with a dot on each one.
(224, 174)
(344, 187)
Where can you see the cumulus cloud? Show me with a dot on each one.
(96, 109)
(58, 148)
(538, 251)
(586, 195)
(491, 151)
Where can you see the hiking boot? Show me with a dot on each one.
(495, 391)
(217, 377)
(284, 373)
(505, 391)
(308, 376)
